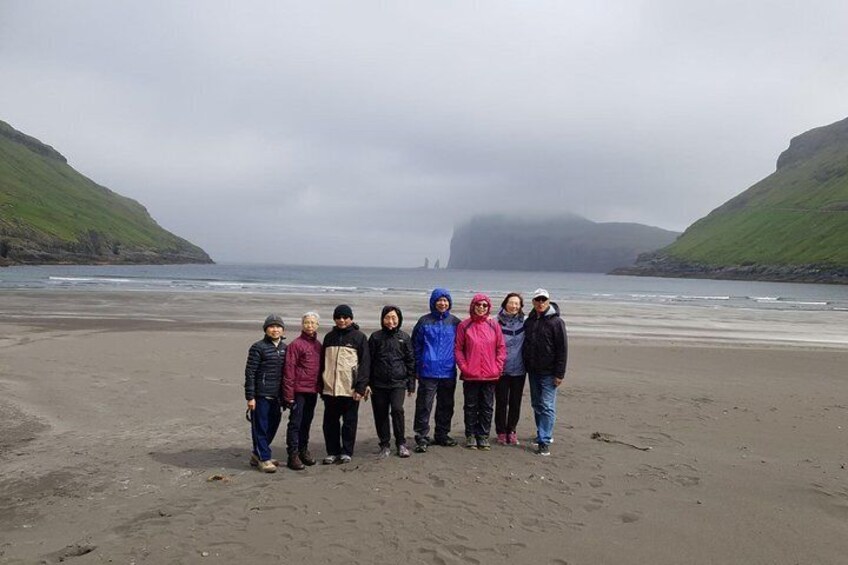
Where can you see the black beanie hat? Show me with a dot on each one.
(342, 311)
(273, 320)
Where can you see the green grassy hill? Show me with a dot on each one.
(792, 225)
(50, 213)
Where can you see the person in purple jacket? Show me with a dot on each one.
(301, 385)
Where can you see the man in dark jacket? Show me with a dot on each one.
(545, 355)
(392, 376)
(433, 339)
(345, 370)
(263, 380)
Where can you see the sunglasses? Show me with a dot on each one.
(481, 305)
(540, 299)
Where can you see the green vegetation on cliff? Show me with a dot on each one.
(792, 225)
(50, 213)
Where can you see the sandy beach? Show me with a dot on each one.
(123, 440)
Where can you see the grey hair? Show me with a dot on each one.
(311, 314)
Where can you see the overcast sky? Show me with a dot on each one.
(361, 132)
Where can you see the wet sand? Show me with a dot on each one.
(124, 440)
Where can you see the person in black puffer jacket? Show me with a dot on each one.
(263, 382)
(392, 376)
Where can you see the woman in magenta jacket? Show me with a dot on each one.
(480, 354)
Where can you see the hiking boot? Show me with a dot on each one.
(294, 463)
(306, 458)
(483, 443)
(421, 445)
(543, 450)
(344, 459)
(267, 466)
(330, 459)
(384, 452)
(502, 439)
(512, 438)
(403, 451)
(471, 442)
(446, 441)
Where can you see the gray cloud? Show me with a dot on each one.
(359, 133)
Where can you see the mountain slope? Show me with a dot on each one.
(792, 225)
(50, 213)
(565, 243)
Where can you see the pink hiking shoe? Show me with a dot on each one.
(502, 439)
(512, 438)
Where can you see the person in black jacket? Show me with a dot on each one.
(392, 376)
(263, 382)
(545, 355)
(344, 372)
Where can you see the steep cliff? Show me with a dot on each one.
(562, 243)
(790, 226)
(50, 213)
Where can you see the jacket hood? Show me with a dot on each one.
(553, 310)
(515, 319)
(434, 296)
(386, 310)
(479, 297)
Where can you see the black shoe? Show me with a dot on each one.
(543, 450)
(483, 443)
(470, 442)
(421, 444)
(446, 441)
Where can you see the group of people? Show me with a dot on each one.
(494, 355)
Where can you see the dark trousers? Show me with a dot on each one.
(508, 393)
(343, 410)
(479, 404)
(300, 422)
(442, 391)
(385, 401)
(264, 422)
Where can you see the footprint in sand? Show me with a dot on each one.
(630, 517)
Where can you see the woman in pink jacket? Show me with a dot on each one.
(480, 355)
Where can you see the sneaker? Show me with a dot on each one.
(254, 461)
(384, 453)
(344, 459)
(512, 438)
(471, 442)
(543, 450)
(306, 458)
(403, 451)
(421, 447)
(483, 443)
(294, 463)
(267, 466)
(330, 459)
(502, 439)
(446, 441)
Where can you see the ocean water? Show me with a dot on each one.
(373, 281)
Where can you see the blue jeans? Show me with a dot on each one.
(265, 420)
(543, 400)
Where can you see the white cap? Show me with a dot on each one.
(541, 292)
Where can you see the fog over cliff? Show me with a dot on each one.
(554, 243)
